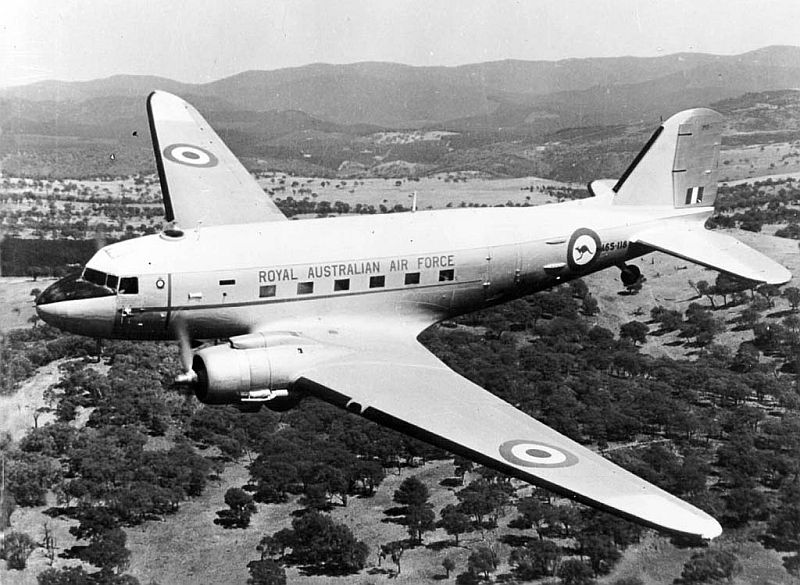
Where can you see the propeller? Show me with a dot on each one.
(189, 376)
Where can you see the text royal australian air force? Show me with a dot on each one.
(343, 269)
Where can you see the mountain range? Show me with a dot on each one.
(290, 112)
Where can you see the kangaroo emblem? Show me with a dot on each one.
(582, 250)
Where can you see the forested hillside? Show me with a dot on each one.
(125, 447)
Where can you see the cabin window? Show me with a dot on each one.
(343, 284)
(129, 285)
(227, 282)
(377, 281)
(412, 277)
(266, 291)
(305, 288)
(446, 275)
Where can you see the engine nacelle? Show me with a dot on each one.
(255, 369)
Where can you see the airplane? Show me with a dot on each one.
(332, 307)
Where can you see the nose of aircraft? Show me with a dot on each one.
(70, 306)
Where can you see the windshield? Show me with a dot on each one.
(73, 287)
(90, 283)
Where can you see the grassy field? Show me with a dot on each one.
(432, 192)
(16, 302)
(760, 159)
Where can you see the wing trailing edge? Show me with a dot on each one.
(410, 390)
(715, 250)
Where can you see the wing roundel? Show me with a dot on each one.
(202, 182)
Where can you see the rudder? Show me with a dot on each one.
(678, 166)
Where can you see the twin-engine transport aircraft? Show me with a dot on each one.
(332, 307)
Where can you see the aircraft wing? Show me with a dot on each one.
(201, 179)
(405, 387)
(715, 250)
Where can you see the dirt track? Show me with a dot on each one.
(17, 410)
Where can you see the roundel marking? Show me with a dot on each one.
(523, 453)
(583, 249)
(191, 155)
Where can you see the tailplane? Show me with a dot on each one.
(678, 165)
(677, 169)
(713, 250)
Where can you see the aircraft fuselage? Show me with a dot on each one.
(425, 266)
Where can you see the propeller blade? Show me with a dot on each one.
(184, 340)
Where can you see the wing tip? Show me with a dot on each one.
(712, 529)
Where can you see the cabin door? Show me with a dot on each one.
(143, 307)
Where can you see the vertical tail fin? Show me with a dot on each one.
(678, 165)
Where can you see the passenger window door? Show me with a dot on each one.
(142, 306)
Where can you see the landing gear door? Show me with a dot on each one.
(142, 307)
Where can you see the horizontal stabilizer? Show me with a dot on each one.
(715, 250)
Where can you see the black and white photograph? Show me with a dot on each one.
(363, 292)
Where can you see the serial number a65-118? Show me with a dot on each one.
(611, 246)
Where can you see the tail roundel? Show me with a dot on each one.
(678, 167)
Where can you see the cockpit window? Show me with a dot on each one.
(72, 287)
(90, 283)
(109, 280)
(129, 286)
(94, 276)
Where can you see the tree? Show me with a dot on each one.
(49, 543)
(668, 319)
(454, 521)
(315, 539)
(93, 521)
(600, 550)
(535, 560)
(448, 564)
(482, 498)
(107, 551)
(266, 572)
(575, 572)
(636, 331)
(792, 295)
(30, 475)
(707, 291)
(420, 519)
(241, 508)
(467, 578)
(66, 576)
(412, 492)
(482, 560)
(393, 550)
(589, 305)
(783, 528)
(743, 504)
(710, 565)
(531, 512)
(462, 466)
(725, 285)
(17, 547)
(792, 564)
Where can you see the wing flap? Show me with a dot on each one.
(417, 394)
(715, 250)
(202, 181)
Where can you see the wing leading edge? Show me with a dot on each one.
(201, 179)
(415, 393)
